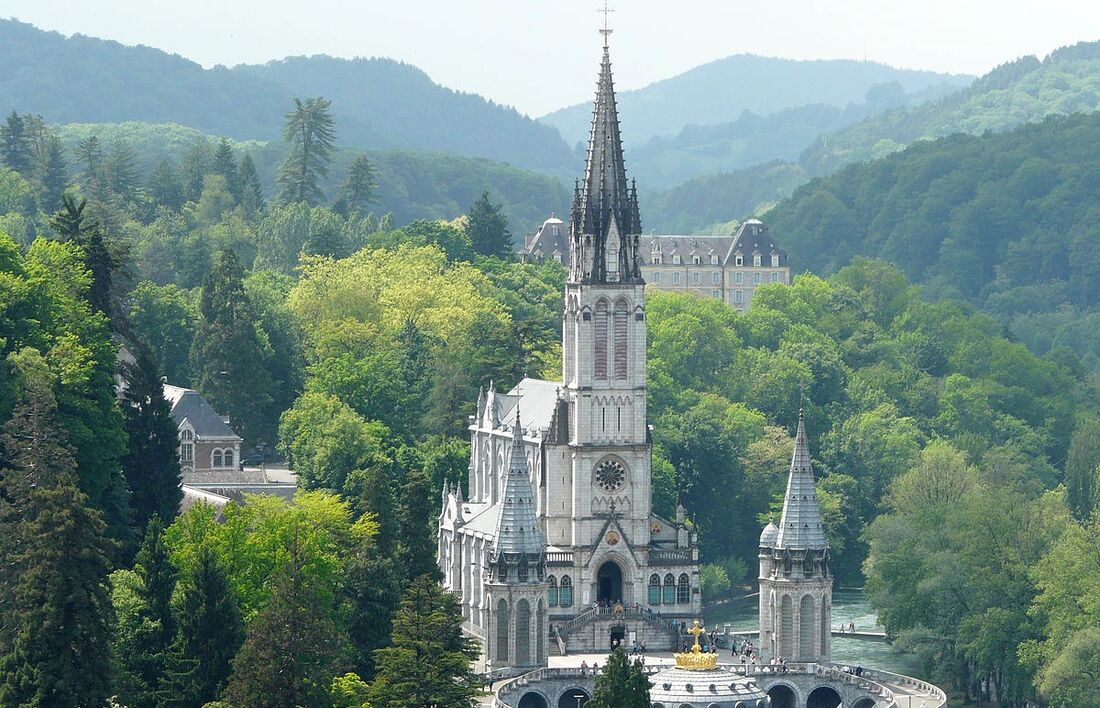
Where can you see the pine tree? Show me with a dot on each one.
(120, 168)
(227, 355)
(195, 165)
(151, 464)
(429, 662)
(373, 593)
(292, 649)
(16, 151)
(357, 192)
(52, 177)
(164, 186)
(89, 154)
(252, 193)
(70, 224)
(309, 131)
(57, 622)
(621, 684)
(209, 634)
(487, 228)
(416, 549)
(226, 165)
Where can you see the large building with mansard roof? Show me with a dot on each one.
(555, 545)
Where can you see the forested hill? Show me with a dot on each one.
(378, 103)
(722, 90)
(1008, 221)
(1022, 91)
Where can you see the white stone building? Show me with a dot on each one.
(796, 589)
(614, 570)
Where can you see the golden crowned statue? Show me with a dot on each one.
(696, 660)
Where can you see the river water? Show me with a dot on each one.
(848, 606)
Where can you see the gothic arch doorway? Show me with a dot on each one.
(782, 697)
(609, 583)
(573, 698)
(823, 697)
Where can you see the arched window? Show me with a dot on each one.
(502, 630)
(552, 593)
(523, 633)
(565, 592)
(683, 590)
(599, 341)
(228, 458)
(786, 627)
(522, 570)
(654, 589)
(669, 597)
(806, 627)
(216, 459)
(621, 317)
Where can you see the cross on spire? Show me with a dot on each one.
(606, 31)
(696, 629)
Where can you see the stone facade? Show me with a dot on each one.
(209, 450)
(796, 589)
(585, 447)
(728, 268)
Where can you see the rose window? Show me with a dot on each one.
(610, 475)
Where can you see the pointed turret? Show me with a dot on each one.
(518, 529)
(800, 526)
(605, 222)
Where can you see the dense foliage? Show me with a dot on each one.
(380, 103)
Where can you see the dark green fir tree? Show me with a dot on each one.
(70, 224)
(151, 463)
(89, 155)
(16, 149)
(487, 227)
(416, 548)
(309, 132)
(225, 164)
(164, 186)
(53, 176)
(252, 192)
(621, 684)
(121, 168)
(357, 191)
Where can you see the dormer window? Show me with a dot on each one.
(739, 260)
(756, 259)
(676, 260)
(696, 260)
(713, 259)
(187, 446)
(775, 261)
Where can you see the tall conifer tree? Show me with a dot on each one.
(53, 177)
(71, 225)
(416, 549)
(357, 191)
(310, 134)
(226, 165)
(621, 684)
(16, 151)
(488, 228)
(252, 192)
(164, 186)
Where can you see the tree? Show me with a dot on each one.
(1083, 467)
(292, 648)
(372, 590)
(621, 684)
(309, 131)
(195, 165)
(225, 164)
(70, 224)
(58, 627)
(210, 632)
(164, 320)
(428, 665)
(357, 192)
(16, 151)
(251, 191)
(227, 355)
(89, 153)
(1071, 679)
(487, 227)
(164, 186)
(416, 516)
(151, 463)
(52, 176)
(121, 169)
(214, 201)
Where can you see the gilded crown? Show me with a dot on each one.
(696, 660)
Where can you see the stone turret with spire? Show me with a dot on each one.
(515, 569)
(795, 584)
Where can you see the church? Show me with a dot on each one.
(556, 548)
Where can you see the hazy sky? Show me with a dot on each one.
(539, 55)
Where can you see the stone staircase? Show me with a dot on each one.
(562, 630)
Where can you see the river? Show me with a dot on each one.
(848, 606)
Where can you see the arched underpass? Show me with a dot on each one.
(823, 697)
(533, 699)
(573, 698)
(782, 697)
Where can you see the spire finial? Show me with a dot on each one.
(606, 31)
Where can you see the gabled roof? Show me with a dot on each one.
(190, 406)
(800, 526)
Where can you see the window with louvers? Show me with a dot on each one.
(621, 316)
(599, 343)
(502, 631)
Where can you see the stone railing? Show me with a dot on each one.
(559, 558)
(908, 682)
(592, 614)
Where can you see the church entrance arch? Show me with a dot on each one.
(533, 699)
(782, 697)
(609, 583)
(618, 636)
(573, 698)
(823, 697)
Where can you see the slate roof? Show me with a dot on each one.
(800, 526)
(518, 529)
(188, 404)
(753, 238)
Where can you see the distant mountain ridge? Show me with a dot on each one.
(377, 103)
(720, 91)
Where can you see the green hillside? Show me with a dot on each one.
(378, 103)
(1006, 221)
(1022, 91)
(411, 184)
(720, 91)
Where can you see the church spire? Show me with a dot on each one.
(800, 526)
(606, 222)
(518, 529)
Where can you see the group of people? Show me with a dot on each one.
(746, 651)
(854, 671)
(638, 649)
(850, 627)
